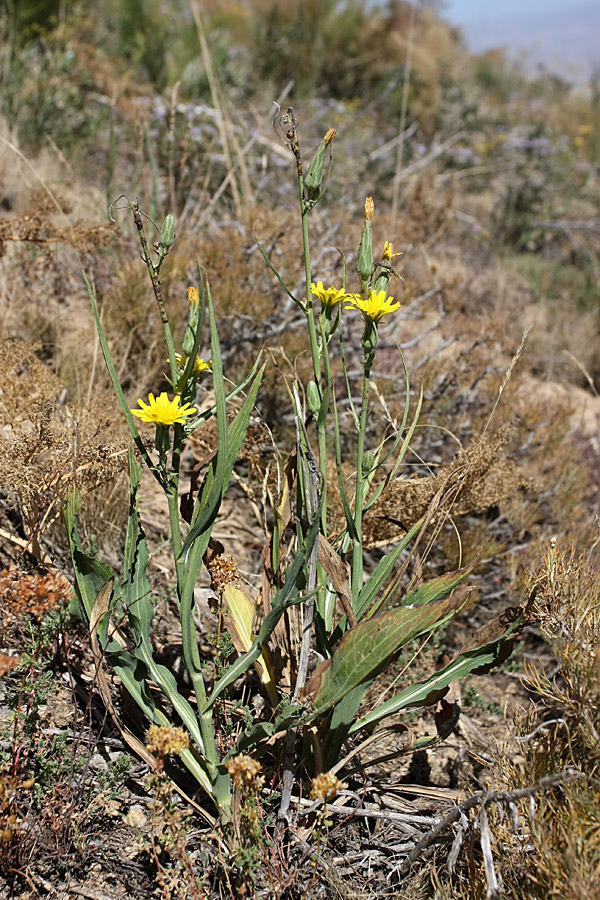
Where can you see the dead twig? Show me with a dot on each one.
(482, 799)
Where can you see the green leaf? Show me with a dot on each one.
(284, 598)
(384, 569)
(136, 587)
(367, 648)
(290, 716)
(344, 714)
(437, 588)
(90, 573)
(469, 660)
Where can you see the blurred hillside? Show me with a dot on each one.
(486, 179)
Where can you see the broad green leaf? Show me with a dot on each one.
(469, 660)
(344, 714)
(366, 649)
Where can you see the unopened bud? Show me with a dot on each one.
(313, 399)
(167, 238)
(365, 263)
(368, 462)
(314, 177)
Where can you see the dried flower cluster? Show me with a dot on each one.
(325, 786)
(244, 772)
(223, 571)
(32, 593)
(166, 741)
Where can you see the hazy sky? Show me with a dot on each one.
(562, 34)
(473, 10)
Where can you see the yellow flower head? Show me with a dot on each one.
(369, 209)
(329, 296)
(388, 251)
(193, 297)
(200, 365)
(374, 306)
(585, 129)
(163, 411)
(578, 141)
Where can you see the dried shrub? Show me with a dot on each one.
(44, 445)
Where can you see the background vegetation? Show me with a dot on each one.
(486, 178)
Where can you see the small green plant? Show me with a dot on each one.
(357, 621)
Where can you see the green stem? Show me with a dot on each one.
(153, 272)
(357, 550)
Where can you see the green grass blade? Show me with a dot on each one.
(433, 688)
(384, 569)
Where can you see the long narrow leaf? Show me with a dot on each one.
(434, 687)
(384, 569)
(284, 598)
(112, 372)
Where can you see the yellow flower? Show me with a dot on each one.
(585, 129)
(163, 411)
(200, 365)
(369, 209)
(388, 251)
(193, 297)
(578, 141)
(329, 296)
(374, 306)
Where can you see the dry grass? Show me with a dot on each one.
(498, 233)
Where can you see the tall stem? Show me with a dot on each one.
(357, 550)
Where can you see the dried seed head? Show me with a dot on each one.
(164, 740)
(325, 786)
(244, 771)
(223, 571)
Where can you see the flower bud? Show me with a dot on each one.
(167, 238)
(189, 339)
(314, 177)
(313, 399)
(368, 462)
(366, 263)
